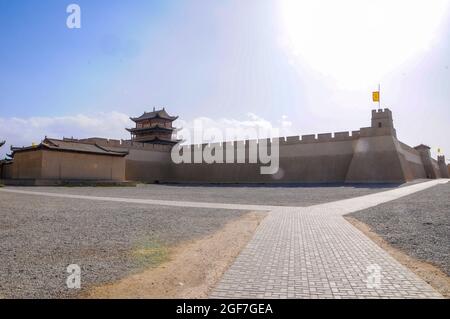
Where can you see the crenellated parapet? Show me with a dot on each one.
(382, 124)
(289, 140)
(381, 113)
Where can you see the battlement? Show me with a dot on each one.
(441, 159)
(381, 113)
(381, 125)
(285, 140)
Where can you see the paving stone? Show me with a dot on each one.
(329, 256)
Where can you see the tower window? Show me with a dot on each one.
(379, 124)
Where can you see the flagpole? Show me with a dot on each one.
(379, 96)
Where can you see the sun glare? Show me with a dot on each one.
(356, 42)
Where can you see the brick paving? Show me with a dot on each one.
(313, 252)
(308, 252)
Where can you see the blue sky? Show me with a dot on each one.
(255, 60)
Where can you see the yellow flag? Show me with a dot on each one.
(376, 96)
(439, 150)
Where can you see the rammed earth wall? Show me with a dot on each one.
(371, 154)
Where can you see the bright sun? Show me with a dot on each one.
(356, 42)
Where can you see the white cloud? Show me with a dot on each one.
(25, 131)
(204, 129)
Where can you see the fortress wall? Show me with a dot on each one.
(431, 169)
(77, 166)
(147, 165)
(45, 164)
(27, 165)
(309, 158)
(435, 167)
(371, 154)
(144, 162)
(6, 170)
(376, 131)
(316, 162)
(323, 157)
(443, 170)
(377, 159)
(412, 154)
(414, 167)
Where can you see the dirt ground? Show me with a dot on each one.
(428, 272)
(40, 236)
(193, 268)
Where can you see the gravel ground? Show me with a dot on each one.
(41, 236)
(259, 195)
(418, 224)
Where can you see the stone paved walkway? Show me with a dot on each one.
(309, 252)
(313, 252)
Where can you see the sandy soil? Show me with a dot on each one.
(193, 267)
(428, 272)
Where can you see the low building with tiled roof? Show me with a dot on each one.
(69, 146)
(55, 159)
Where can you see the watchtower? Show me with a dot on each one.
(153, 128)
(382, 118)
(442, 166)
(382, 121)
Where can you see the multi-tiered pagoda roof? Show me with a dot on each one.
(160, 114)
(153, 127)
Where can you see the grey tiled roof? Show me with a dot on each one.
(71, 146)
(155, 114)
(156, 140)
(155, 127)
